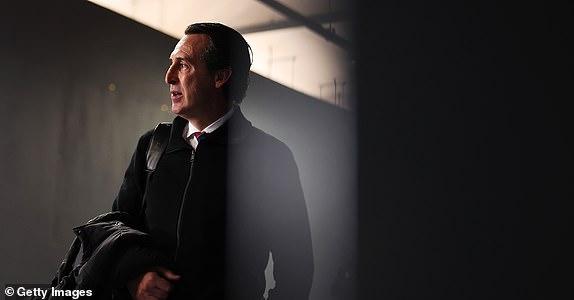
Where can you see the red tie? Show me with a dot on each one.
(199, 135)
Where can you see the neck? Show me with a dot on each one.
(206, 118)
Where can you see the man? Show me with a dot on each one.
(224, 195)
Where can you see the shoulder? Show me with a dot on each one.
(144, 139)
(264, 137)
(269, 146)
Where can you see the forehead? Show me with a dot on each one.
(190, 46)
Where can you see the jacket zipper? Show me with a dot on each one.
(180, 213)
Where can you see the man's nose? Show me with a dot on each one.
(171, 76)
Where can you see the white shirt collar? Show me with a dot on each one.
(190, 129)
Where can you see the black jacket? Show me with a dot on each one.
(220, 210)
(107, 252)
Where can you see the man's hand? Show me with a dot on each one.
(156, 284)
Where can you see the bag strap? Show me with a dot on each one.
(157, 145)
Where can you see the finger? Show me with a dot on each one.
(153, 286)
(167, 274)
(163, 284)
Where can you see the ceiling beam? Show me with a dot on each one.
(307, 22)
(289, 23)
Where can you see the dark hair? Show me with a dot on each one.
(227, 49)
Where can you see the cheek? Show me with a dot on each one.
(190, 90)
(194, 87)
(187, 84)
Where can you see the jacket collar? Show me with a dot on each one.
(234, 131)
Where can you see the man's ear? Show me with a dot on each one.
(222, 76)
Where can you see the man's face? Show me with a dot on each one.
(191, 84)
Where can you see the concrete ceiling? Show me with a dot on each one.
(301, 44)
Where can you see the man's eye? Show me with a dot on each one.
(182, 66)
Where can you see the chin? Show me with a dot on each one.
(176, 109)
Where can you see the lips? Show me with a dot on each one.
(175, 95)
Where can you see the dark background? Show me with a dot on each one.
(465, 149)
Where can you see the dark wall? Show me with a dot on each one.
(80, 84)
(465, 150)
(67, 133)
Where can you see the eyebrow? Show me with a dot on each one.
(177, 57)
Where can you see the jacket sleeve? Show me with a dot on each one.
(130, 195)
(291, 246)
